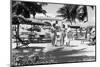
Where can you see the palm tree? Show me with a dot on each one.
(25, 9)
(72, 12)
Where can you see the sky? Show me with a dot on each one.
(52, 9)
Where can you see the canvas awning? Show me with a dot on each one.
(76, 27)
(20, 20)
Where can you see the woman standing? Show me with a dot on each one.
(66, 39)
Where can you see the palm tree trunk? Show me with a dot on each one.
(17, 34)
(70, 22)
(76, 33)
(80, 31)
(34, 17)
(86, 34)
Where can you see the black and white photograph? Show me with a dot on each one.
(52, 33)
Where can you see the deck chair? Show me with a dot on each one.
(23, 42)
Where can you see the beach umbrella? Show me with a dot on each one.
(47, 23)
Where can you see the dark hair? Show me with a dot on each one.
(68, 25)
(56, 21)
(54, 25)
(63, 26)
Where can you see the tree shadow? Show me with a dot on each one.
(61, 56)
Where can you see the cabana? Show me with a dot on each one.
(16, 21)
(76, 28)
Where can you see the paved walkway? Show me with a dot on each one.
(75, 45)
